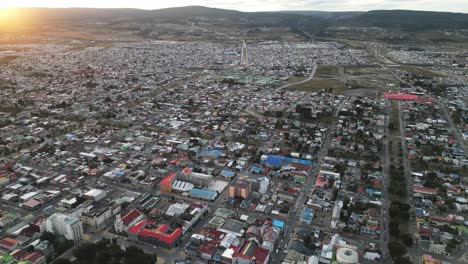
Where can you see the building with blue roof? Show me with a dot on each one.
(204, 194)
(279, 161)
(277, 223)
(227, 174)
(307, 215)
(256, 169)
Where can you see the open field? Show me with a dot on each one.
(358, 70)
(327, 70)
(361, 80)
(321, 84)
(7, 59)
(421, 71)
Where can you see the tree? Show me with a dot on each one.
(451, 245)
(62, 261)
(134, 255)
(402, 260)
(407, 239)
(394, 228)
(85, 253)
(396, 249)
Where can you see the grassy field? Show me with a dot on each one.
(462, 228)
(319, 84)
(327, 70)
(416, 70)
(362, 80)
(359, 70)
(7, 59)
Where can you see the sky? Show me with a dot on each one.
(255, 5)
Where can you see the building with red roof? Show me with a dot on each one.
(424, 190)
(251, 252)
(35, 258)
(401, 96)
(165, 185)
(123, 222)
(162, 235)
(32, 257)
(9, 244)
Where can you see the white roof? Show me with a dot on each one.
(177, 209)
(182, 186)
(94, 192)
(28, 196)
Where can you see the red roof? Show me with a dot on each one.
(439, 219)
(258, 253)
(131, 216)
(33, 257)
(209, 247)
(400, 96)
(8, 242)
(168, 179)
(425, 230)
(424, 190)
(158, 233)
(321, 181)
(19, 254)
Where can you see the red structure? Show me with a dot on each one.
(166, 184)
(401, 96)
(159, 236)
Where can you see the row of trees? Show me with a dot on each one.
(399, 213)
(108, 252)
(397, 186)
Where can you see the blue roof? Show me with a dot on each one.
(256, 169)
(119, 174)
(277, 160)
(204, 193)
(278, 223)
(228, 173)
(419, 211)
(307, 214)
(213, 153)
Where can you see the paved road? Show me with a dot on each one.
(311, 76)
(385, 182)
(293, 221)
(414, 252)
(455, 131)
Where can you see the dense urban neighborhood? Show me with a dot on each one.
(238, 151)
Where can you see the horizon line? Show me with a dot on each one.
(259, 11)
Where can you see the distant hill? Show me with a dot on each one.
(311, 21)
(325, 14)
(409, 20)
(176, 13)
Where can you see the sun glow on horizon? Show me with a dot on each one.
(11, 19)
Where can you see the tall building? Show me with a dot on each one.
(69, 227)
(240, 188)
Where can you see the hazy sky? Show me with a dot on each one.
(256, 5)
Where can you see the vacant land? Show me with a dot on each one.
(359, 70)
(327, 70)
(361, 80)
(420, 71)
(321, 84)
(7, 59)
